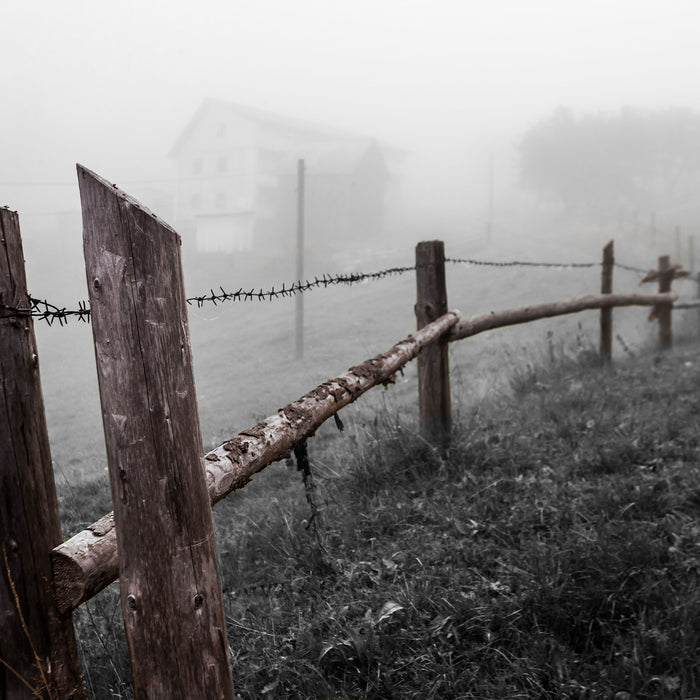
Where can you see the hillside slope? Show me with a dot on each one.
(553, 553)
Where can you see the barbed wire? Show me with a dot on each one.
(43, 310)
(525, 263)
(629, 268)
(517, 263)
(296, 287)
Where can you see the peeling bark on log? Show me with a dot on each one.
(510, 317)
(86, 563)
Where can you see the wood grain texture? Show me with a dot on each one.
(35, 641)
(663, 311)
(171, 597)
(434, 398)
(606, 287)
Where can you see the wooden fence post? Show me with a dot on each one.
(606, 287)
(37, 646)
(664, 310)
(433, 361)
(171, 598)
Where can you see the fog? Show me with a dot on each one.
(451, 86)
(452, 82)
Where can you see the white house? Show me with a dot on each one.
(237, 181)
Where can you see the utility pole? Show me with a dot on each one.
(299, 299)
(489, 226)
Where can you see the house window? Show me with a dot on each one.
(196, 201)
(222, 164)
(197, 166)
(220, 200)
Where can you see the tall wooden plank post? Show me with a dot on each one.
(171, 598)
(37, 646)
(664, 276)
(606, 287)
(433, 361)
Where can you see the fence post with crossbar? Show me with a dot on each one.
(606, 287)
(433, 362)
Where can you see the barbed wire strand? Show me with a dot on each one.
(43, 310)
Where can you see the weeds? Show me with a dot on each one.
(553, 553)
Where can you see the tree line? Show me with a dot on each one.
(593, 164)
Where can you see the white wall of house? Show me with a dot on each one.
(228, 233)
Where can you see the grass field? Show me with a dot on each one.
(550, 554)
(553, 553)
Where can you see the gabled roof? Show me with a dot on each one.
(304, 128)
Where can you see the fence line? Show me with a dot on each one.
(148, 409)
(43, 310)
(87, 562)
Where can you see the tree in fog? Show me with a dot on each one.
(597, 163)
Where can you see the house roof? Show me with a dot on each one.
(307, 129)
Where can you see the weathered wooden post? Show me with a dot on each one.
(433, 361)
(37, 647)
(606, 287)
(171, 598)
(664, 275)
(663, 311)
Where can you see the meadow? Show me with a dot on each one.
(535, 559)
(551, 553)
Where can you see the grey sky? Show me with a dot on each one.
(112, 84)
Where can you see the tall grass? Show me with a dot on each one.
(553, 552)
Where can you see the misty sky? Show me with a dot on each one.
(112, 85)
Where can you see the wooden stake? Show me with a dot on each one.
(606, 287)
(433, 362)
(664, 310)
(171, 598)
(37, 646)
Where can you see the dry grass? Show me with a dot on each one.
(553, 553)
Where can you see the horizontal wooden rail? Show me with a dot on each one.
(692, 304)
(87, 563)
(509, 317)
